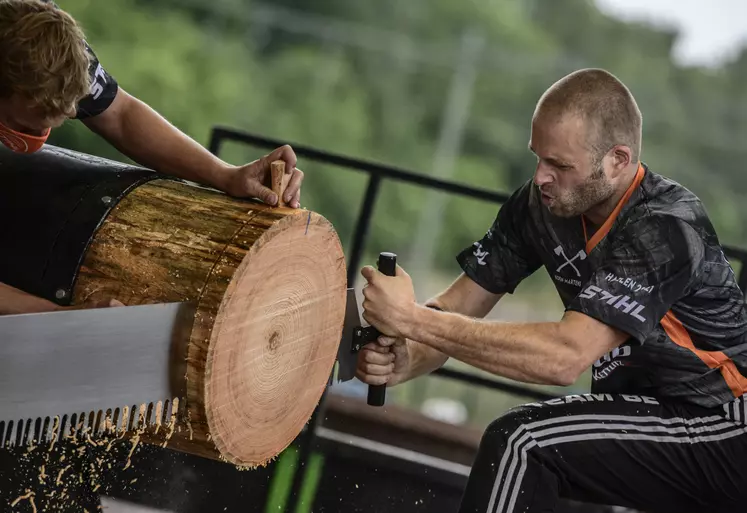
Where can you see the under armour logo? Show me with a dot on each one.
(581, 255)
(480, 253)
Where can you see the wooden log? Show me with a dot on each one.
(269, 286)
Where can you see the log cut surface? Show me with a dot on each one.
(275, 339)
(269, 285)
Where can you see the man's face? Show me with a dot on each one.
(23, 116)
(570, 180)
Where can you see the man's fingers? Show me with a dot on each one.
(296, 201)
(261, 192)
(365, 316)
(374, 353)
(371, 379)
(286, 154)
(368, 272)
(373, 346)
(386, 341)
(115, 303)
(370, 318)
(294, 187)
(377, 370)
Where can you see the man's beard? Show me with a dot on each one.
(593, 191)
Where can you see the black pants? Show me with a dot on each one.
(629, 451)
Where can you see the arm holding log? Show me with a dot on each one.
(142, 134)
(16, 301)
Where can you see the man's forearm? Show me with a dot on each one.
(459, 298)
(150, 140)
(423, 360)
(14, 301)
(533, 353)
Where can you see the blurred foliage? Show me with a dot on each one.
(371, 80)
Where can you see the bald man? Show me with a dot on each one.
(651, 306)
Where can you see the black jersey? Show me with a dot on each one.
(103, 86)
(103, 89)
(654, 270)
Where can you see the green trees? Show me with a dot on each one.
(373, 80)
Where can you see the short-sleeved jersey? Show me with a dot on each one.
(103, 87)
(654, 270)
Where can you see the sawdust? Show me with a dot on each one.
(55, 432)
(169, 434)
(135, 442)
(29, 496)
(83, 453)
(189, 425)
(59, 475)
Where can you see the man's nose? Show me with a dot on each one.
(542, 175)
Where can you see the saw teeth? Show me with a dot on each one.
(80, 426)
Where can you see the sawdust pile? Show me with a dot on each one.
(69, 472)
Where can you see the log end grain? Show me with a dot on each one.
(275, 339)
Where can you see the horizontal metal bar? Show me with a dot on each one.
(393, 451)
(474, 379)
(382, 170)
(220, 134)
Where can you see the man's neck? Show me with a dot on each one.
(598, 214)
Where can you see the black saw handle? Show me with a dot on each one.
(387, 264)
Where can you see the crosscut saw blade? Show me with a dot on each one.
(62, 373)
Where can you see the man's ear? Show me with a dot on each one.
(622, 157)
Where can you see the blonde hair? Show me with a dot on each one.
(43, 57)
(604, 103)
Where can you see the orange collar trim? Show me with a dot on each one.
(605, 228)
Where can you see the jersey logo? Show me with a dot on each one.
(619, 302)
(97, 88)
(581, 255)
(480, 253)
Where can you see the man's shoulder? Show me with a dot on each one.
(663, 203)
(664, 212)
(664, 196)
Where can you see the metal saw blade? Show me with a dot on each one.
(67, 370)
(347, 360)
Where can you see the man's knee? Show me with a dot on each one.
(512, 421)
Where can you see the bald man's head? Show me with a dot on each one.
(586, 133)
(604, 104)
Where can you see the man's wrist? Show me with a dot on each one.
(422, 316)
(221, 176)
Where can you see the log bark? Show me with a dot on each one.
(269, 286)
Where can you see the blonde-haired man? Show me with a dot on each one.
(652, 307)
(48, 73)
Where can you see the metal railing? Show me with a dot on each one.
(377, 173)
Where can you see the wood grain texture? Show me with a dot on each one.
(269, 285)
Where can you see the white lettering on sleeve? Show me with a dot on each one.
(624, 303)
